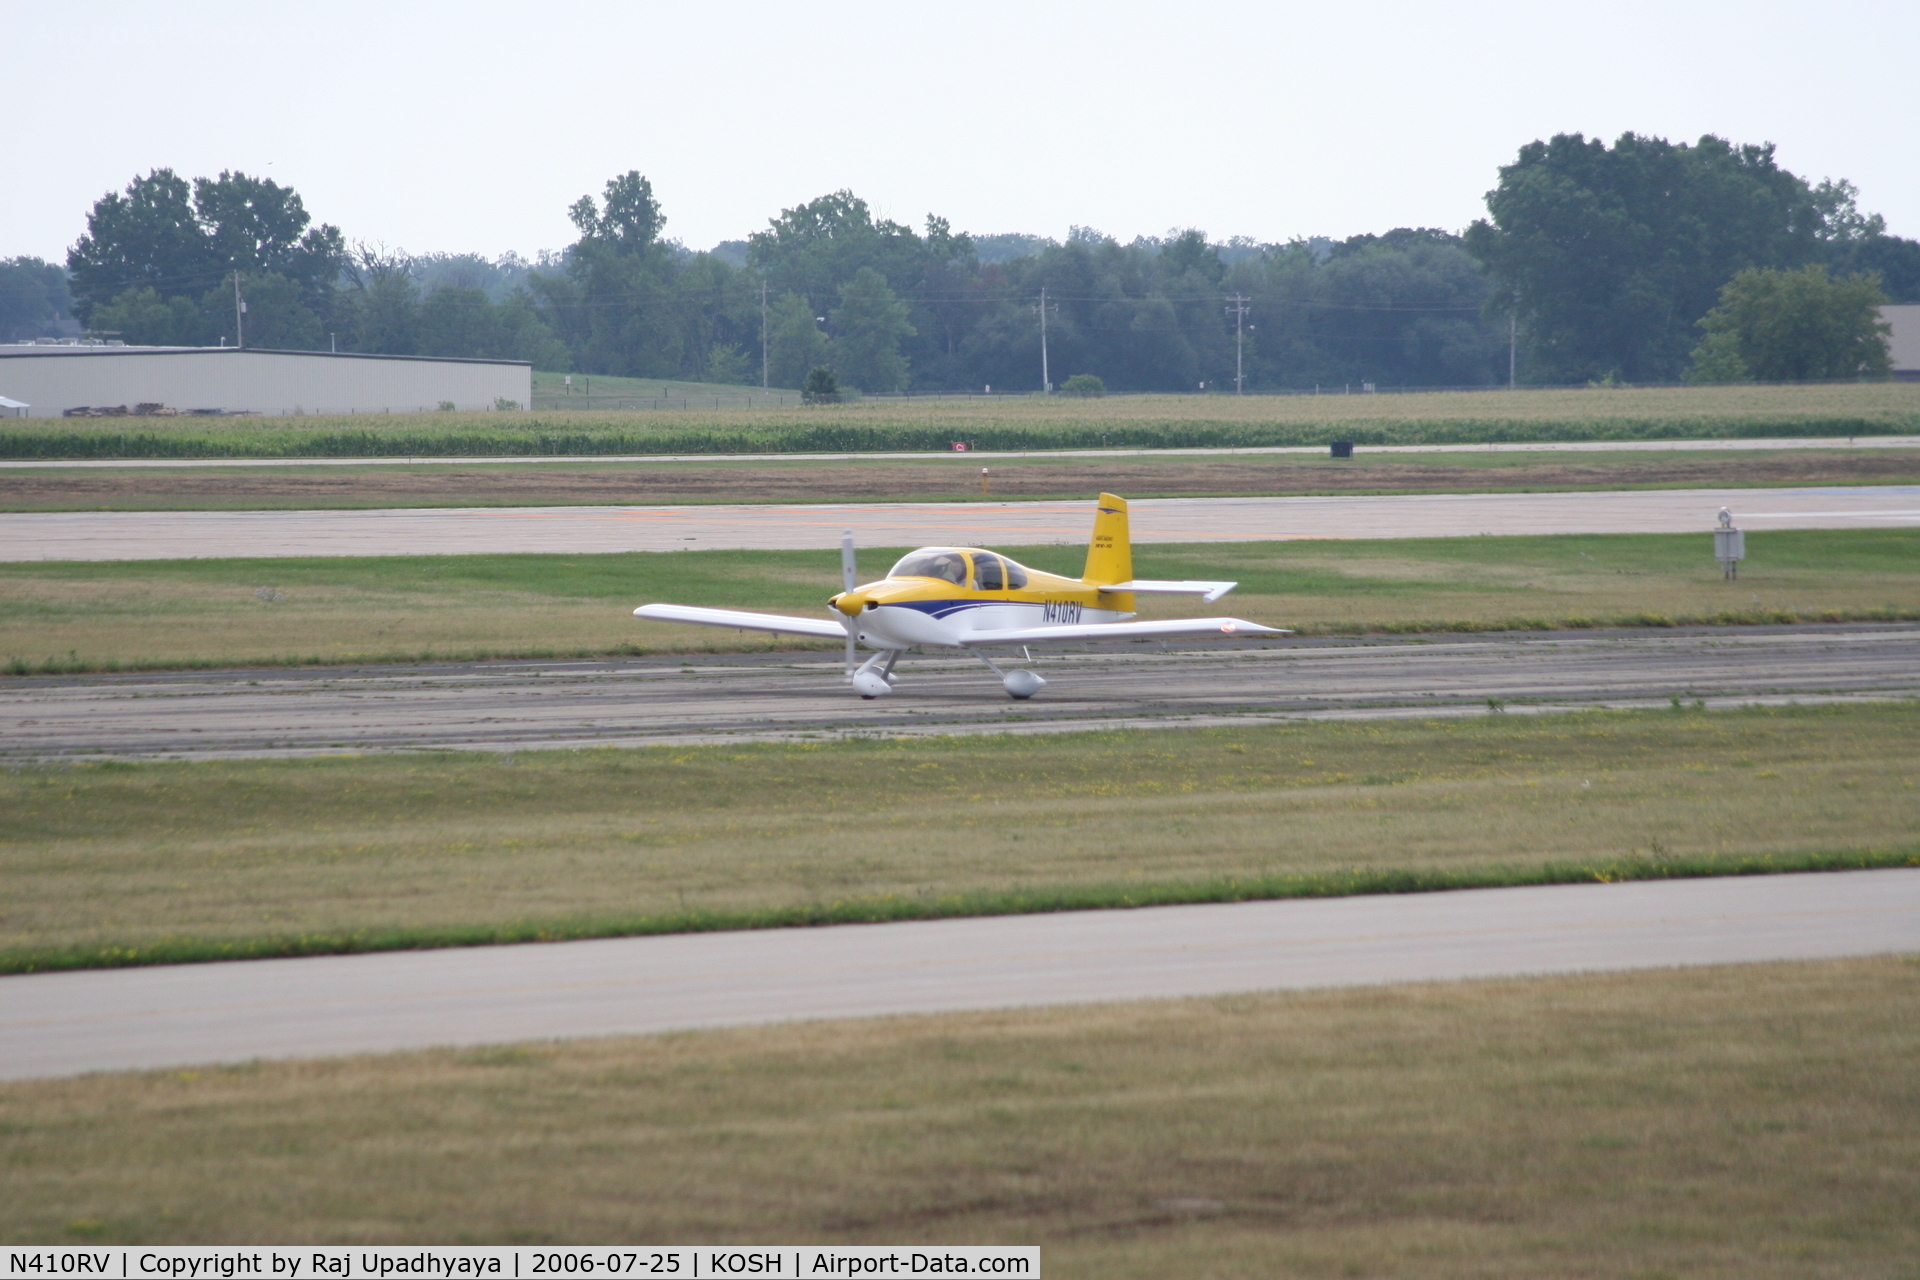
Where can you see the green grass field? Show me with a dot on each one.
(1719, 1124)
(77, 616)
(123, 863)
(1836, 410)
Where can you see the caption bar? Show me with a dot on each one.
(390, 1262)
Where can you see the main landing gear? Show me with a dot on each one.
(1020, 683)
(875, 678)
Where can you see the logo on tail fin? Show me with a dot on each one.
(1109, 553)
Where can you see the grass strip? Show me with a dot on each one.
(75, 664)
(544, 439)
(66, 618)
(1735, 1121)
(893, 909)
(125, 863)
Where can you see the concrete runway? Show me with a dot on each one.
(169, 535)
(988, 455)
(70, 1023)
(505, 706)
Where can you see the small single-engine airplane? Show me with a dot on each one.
(967, 598)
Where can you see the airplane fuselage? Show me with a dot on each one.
(992, 594)
(977, 600)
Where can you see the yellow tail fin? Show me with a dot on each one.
(1110, 554)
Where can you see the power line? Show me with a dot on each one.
(982, 297)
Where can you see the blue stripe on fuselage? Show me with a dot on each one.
(942, 608)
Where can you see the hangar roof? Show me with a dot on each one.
(17, 349)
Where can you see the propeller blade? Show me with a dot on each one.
(849, 579)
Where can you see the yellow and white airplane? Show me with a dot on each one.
(968, 598)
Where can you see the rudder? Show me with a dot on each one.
(1110, 554)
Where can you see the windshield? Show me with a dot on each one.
(933, 562)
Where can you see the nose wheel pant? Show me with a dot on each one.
(880, 664)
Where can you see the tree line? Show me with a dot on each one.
(1610, 259)
(1596, 262)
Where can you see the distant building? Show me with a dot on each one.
(70, 379)
(1905, 339)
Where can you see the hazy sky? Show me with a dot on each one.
(472, 127)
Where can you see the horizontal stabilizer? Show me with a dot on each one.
(1207, 591)
(824, 628)
(1123, 631)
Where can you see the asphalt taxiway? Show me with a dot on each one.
(172, 535)
(509, 706)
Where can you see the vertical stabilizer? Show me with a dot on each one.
(1110, 554)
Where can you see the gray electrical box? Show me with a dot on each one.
(1729, 546)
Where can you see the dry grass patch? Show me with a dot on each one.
(1728, 1122)
(113, 860)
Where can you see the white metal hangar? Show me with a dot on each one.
(67, 379)
(1904, 342)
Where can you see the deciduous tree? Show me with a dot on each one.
(1613, 253)
(34, 301)
(147, 238)
(1793, 326)
(869, 325)
(381, 313)
(141, 317)
(185, 242)
(795, 345)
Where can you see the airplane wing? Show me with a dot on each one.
(824, 628)
(1207, 591)
(1122, 631)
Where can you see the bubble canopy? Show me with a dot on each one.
(950, 564)
(944, 563)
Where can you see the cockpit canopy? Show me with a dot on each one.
(932, 562)
(991, 572)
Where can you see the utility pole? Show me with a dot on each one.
(1046, 378)
(763, 335)
(239, 310)
(1238, 310)
(1513, 343)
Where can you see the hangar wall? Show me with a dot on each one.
(1903, 344)
(53, 379)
